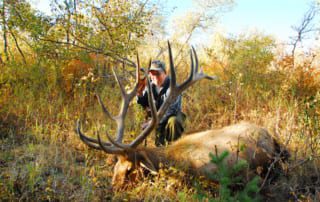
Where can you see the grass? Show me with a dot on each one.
(41, 158)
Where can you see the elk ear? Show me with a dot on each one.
(147, 163)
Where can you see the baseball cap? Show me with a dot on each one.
(158, 65)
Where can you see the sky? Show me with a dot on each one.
(274, 17)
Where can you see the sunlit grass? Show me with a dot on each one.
(42, 158)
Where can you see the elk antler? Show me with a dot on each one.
(176, 90)
(116, 146)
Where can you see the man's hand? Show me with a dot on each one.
(141, 85)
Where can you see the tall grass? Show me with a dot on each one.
(42, 159)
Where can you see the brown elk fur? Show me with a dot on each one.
(192, 151)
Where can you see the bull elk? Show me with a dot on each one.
(191, 151)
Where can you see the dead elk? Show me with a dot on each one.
(192, 151)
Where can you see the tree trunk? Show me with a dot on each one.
(1, 61)
(76, 20)
(4, 27)
(18, 47)
(68, 21)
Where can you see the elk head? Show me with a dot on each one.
(130, 156)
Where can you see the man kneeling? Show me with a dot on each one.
(170, 127)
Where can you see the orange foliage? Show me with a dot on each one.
(97, 58)
(73, 71)
(77, 69)
(307, 81)
(302, 78)
(285, 62)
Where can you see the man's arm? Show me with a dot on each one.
(173, 109)
(142, 99)
(142, 95)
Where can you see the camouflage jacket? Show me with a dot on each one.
(160, 96)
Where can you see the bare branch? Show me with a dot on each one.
(304, 28)
(89, 48)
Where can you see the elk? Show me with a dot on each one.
(191, 151)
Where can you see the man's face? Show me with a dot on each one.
(157, 77)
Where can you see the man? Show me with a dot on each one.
(170, 126)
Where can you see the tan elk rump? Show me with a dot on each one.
(190, 152)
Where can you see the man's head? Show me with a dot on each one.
(157, 72)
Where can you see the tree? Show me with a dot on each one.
(20, 25)
(245, 72)
(305, 28)
(111, 28)
(4, 28)
(198, 20)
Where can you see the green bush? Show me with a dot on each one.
(229, 178)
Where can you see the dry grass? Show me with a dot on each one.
(42, 159)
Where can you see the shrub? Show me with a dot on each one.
(229, 178)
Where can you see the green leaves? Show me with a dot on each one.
(112, 28)
(216, 159)
(232, 186)
(23, 18)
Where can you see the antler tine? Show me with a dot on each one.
(138, 69)
(123, 111)
(127, 98)
(109, 149)
(191, 66)
(117, 144)
(196, 68)
(118, 119)
(192, 72)
(150, 60)
(135, 88)
(176, 90)
(93, 143)
(200, 75)
(123, 92)
(154, 118)
(173, 86)
(195, 75)
(104, 109)
(173, 80)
